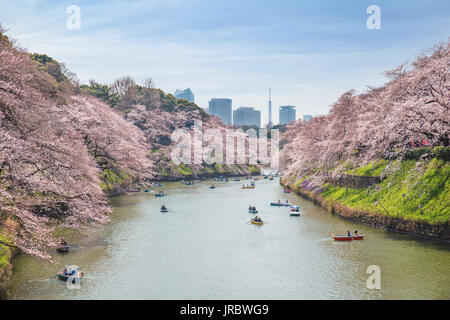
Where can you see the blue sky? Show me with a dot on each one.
(309, 52)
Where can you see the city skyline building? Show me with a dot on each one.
(287, 114)
(246, 116)
(184, 94)
(269, 123)
(307, 117)
(222, 108)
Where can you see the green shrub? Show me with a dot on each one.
(442, 152)
(416, 153)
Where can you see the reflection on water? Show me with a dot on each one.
(205, 248)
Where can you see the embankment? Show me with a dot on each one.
(7, 251)
(172, 172)
(412, 199)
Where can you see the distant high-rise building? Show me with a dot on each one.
(307, 117)
(287, 114)
(269, 124)
(184, 94)
(245, 116)
(221, 108)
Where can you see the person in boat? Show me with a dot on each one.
(63, 243)
(287, 201)
(279, 201)
(357, 233)
(250, 207)
(349, 233)
(163, 208)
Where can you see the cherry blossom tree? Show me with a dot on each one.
(408, 111)
(53, 150)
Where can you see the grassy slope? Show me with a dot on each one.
(417, 191)
(5, 252)
(5, 264)
(217, 169)
(112, 181)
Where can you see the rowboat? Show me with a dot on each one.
(63, 249)
(259, 223)
(72, 272)
(159, 194)
(164, 210)
(287, 190)
(271, 178)
(347, 238)
(279, 204)
(146, 190)
(252, 211)
(252, 187)
(212, 187)
(294, 213)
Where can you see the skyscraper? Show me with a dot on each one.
(245, 116)
(307, 117)
(221, 108)
(269, 124)
(184, 94)
(287, 114)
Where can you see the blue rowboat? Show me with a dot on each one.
(71, 271)
(252, 211)
(280, 204)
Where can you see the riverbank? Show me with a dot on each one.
(7, 252)
(411, 197)
(172, 172)
(5, 270)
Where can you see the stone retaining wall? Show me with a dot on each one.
(357, 182)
